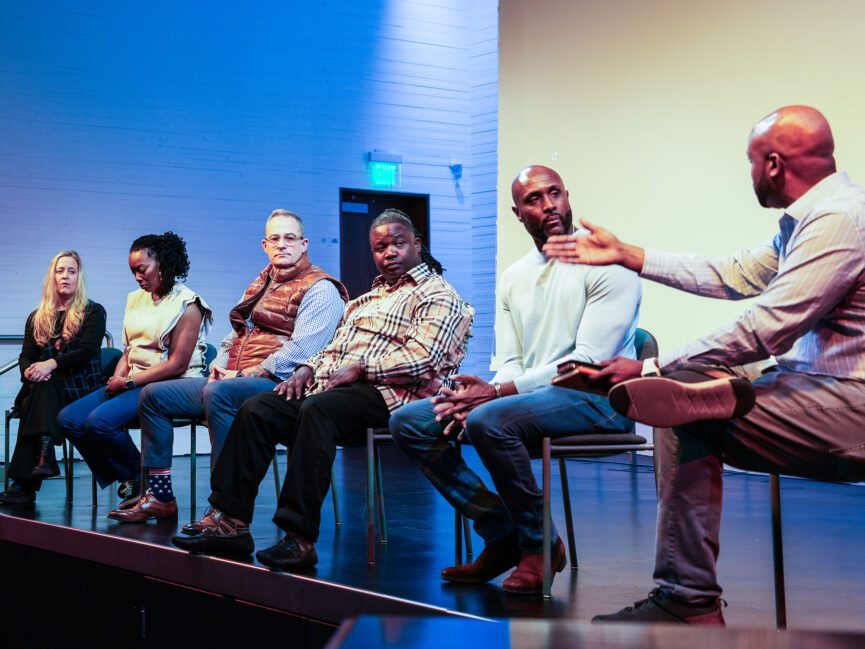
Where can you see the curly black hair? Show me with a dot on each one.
(393, 215)
(169, 249)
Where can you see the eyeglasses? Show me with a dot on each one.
(290, 239)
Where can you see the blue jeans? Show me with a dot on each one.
(502, 431)
(97, 426)
(194, 398)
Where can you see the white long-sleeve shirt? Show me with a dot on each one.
(553, 312)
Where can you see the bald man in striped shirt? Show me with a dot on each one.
(803, 416)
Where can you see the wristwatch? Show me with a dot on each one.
(129, 385)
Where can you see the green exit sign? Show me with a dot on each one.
(384, 175)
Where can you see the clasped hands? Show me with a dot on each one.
(40, 371)
(453, 405)
(221, 373)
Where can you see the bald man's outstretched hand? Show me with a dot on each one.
(598, 248)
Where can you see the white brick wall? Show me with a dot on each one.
(119, 120)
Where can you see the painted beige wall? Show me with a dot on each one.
(645, 107)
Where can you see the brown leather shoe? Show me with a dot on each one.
(146, 508)
(493, 561)
(210, 519)
(529, 575)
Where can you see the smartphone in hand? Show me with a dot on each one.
(574, 375)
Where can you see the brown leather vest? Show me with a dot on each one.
(271, 303)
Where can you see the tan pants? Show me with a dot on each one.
(804, 425)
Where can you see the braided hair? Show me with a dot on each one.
(169, 250)
(393, 215)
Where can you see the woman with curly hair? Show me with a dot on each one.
(59, 363)
(164, 328)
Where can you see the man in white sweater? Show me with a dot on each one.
(552, 312)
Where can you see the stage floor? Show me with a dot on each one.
(614, 513)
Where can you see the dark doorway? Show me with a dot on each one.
(357, 209)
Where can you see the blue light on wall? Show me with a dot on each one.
(384, 170)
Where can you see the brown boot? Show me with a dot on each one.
(493, 561)
(529, 575)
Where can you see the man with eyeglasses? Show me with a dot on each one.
(287, 315)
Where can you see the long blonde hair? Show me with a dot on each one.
(43, 319)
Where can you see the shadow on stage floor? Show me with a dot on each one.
(614, 513)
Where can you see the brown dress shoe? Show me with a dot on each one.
(493, 561)
(529, 575)
(210, 519)
(146, 508)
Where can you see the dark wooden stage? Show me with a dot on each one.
(135, 584)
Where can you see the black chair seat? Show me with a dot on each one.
(606, 439)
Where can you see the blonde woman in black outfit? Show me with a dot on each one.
(59, 362)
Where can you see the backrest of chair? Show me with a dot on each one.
(209, 357)
(647, 346)
(110, 357)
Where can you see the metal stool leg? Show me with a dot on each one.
(379, 496)
(370, 498)
(70, 485)
(334, 498)
(276, 482)
(66, 469)
(778, 553)
(462, 528)
(458, 538)
(192, 475)
(569, 520)
(548, 555)
(467, 534)
(6, 459)
(92, 490)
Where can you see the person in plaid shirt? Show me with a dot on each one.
(400, 342)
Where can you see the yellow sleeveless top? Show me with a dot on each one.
(147, 327)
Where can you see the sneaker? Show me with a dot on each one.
(129, 490)
(660, 607)
(667, 402)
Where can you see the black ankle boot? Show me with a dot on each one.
(17, 494)
(46, 463)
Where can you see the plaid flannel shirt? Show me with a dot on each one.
(411, 337)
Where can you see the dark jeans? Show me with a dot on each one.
(502, 432)
(805, 425)
(311, 428)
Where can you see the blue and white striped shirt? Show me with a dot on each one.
(810, 283)
(318, 316)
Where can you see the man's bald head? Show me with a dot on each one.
(790, 150)
(541, 203)
(524, 177)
